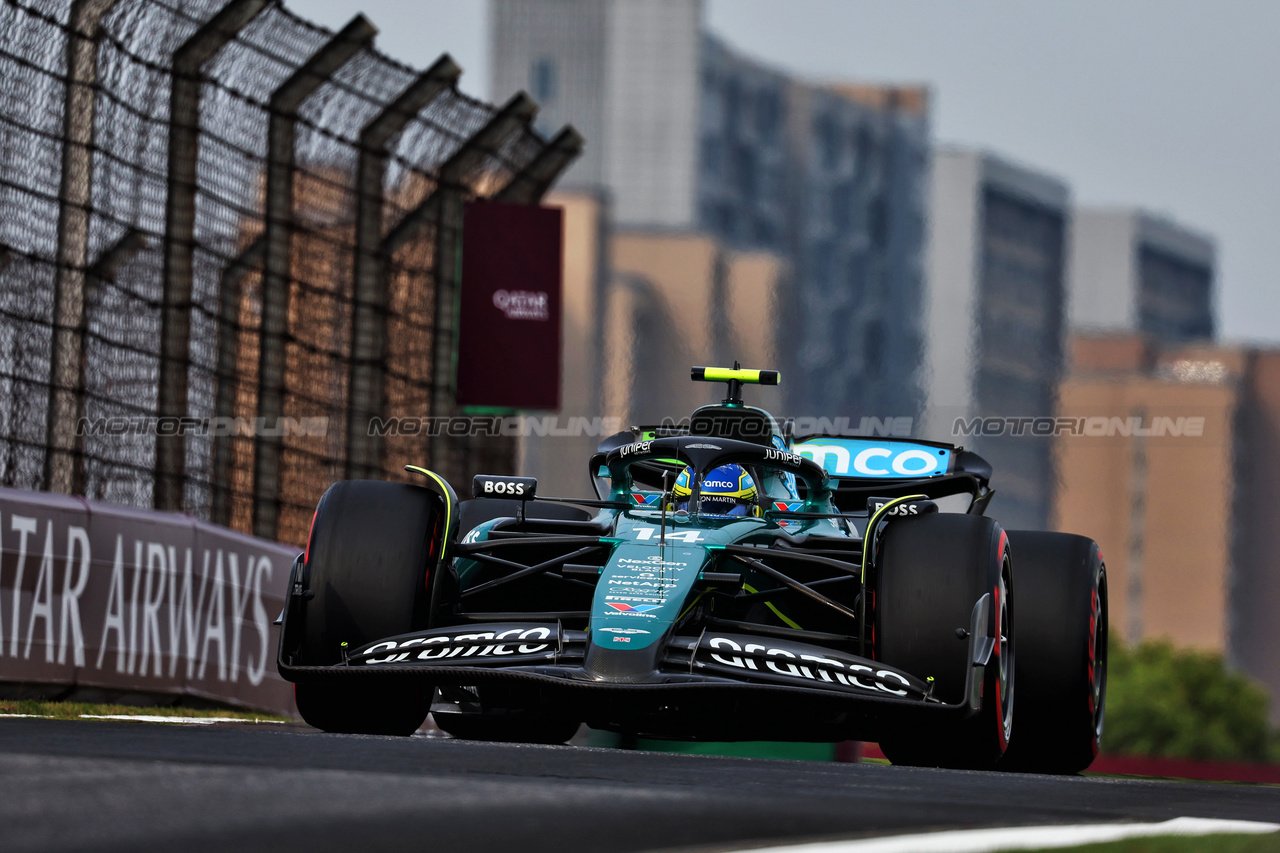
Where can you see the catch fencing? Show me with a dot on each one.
(228, 238)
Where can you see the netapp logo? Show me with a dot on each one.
(651, 563)
(522, 304)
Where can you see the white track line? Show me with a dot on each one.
(149, 718)
(1025, 837)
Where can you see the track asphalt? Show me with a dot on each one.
(106, 786)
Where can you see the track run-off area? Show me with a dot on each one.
(108, 785)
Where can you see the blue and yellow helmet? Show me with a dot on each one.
(727, 491)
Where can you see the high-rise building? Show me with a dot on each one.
(1130, 271)
(684, 133)
(997, 238)
(1172, 464)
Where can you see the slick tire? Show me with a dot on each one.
(372, 548)
(507, 728)
(1062, 652)
(363, 707)
(932, 570)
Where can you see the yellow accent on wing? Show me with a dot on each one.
(726, 374)
(871, 526)
(448, 504)
(776, 612)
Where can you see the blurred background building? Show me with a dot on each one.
(997, 240)
(688, 136)
(1183, 511)
(1131, 271)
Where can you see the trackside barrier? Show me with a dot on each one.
(100, 598)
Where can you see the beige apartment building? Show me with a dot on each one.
(641, 306)
(1173, 469)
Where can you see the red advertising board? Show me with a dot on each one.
(509, 326)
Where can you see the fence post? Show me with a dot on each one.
(66, 389)
(224, 404)
(367, 376)
(179, 236)
(533, 181)
(279, 227)
(444, 206)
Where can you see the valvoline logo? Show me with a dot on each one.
(632, 608)
(645, 500)
(850, 457)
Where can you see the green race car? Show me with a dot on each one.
(730, 582)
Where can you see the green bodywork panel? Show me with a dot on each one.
(651, 571)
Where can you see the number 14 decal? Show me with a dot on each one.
(643, 533)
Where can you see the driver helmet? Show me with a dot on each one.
(726, 491)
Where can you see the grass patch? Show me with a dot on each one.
(76, 710)
(1269, 843)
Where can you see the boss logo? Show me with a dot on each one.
(901, 510)
(517, 488)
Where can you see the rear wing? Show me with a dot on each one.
(892, 467)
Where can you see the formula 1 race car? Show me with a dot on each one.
(730, 582)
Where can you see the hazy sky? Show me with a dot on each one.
(1169, 105)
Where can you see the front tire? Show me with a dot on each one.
(1062, 663)
(370, 555)
(516, 727)
(932, 571)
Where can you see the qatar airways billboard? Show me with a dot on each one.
(509, 325)
(94, 595)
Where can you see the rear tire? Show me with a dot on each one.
(371, 550)
(1062, 652)
(932, 571)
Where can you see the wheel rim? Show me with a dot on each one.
(1098, 657)
(1005, 651)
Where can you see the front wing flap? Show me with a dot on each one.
(546, 647)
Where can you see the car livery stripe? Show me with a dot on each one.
(445, 491)
(871, 526)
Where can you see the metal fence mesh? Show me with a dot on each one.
(124, 272)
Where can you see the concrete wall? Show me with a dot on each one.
(100, 601)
